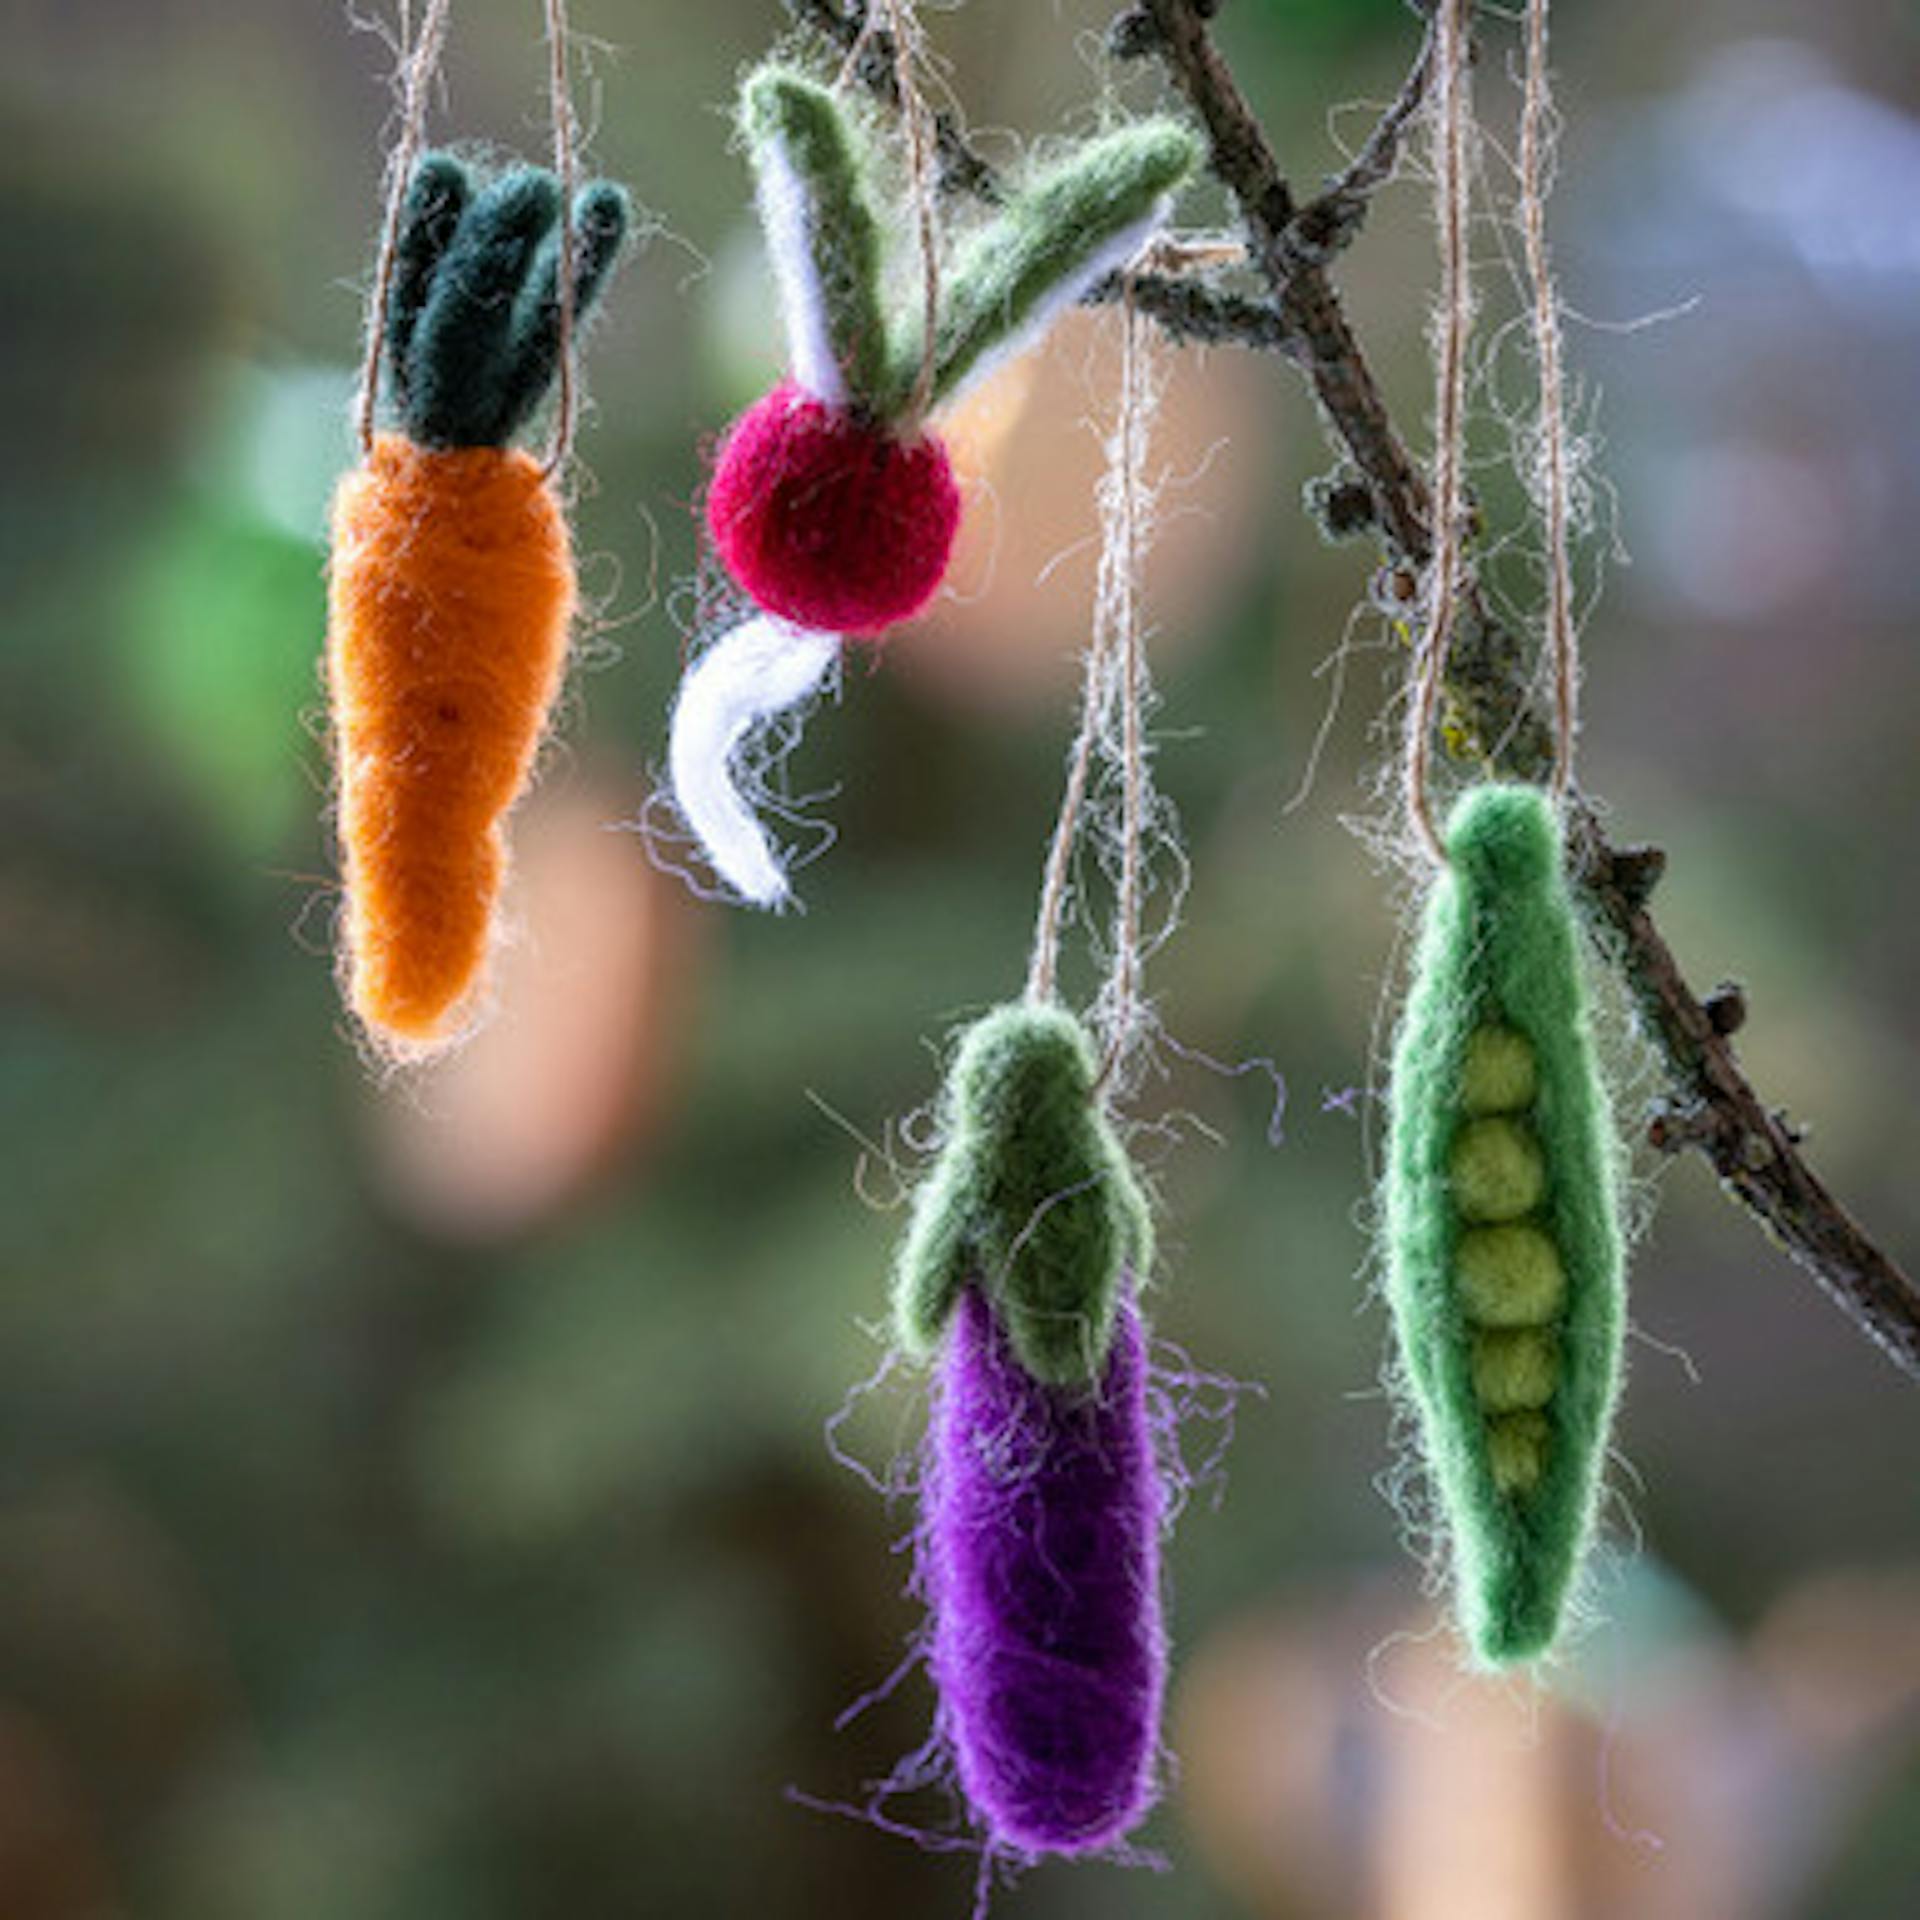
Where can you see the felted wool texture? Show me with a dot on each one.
(472, 334)
(438, 194)
(822, 239)
(762, 668)
(1518, 1482)
(1039, 1555)
(601, 212)
(451, 590)
(830, 522)
(1032, 1198)
(1066, 229)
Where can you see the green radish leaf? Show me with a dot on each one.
(810, 166)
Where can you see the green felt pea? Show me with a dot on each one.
(1501, 1222)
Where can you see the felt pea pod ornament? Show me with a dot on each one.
(832, 504)
(1042, 1495)
(1504, 1253)
(451, 585)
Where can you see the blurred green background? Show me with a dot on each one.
(413, 1496)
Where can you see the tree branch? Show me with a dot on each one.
(1494, 715)
(1497, 719)
(1187, 310)
(1715, 1110)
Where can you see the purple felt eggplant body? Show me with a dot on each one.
(1040, 1555)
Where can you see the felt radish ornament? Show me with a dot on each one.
(833, 503)
(451, 582)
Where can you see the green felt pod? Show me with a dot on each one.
(1032, 1197)
(1503, 1246)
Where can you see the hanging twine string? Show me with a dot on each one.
(1536, 134)
(1452, 333)
(1122, 998)
(1550, 482)
(913, 113)
(566, 168)
(1111, 737)
(419, 62)
(904, 31)
(1043, 968)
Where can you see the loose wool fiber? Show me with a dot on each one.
(451, 593)
(1504, 1257)
(830, 521)
(1032, 1198)
(1040, 1557)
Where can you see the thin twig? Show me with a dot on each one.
(1373, 166)
(1124, 989)
(1494, 710)
(1342, 382)
(1490, 683)
(1189, 312)
(1186, 309)
(1752, 1148)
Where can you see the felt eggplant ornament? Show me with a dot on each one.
(1042, 1495)
(833, 504)
(451, 584)
(1504, 1256)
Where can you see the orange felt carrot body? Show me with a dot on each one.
(451, 589)
(452, 594)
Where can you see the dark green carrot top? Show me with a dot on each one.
(472, 338)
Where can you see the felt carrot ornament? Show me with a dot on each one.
(452, 579)
(1045, 1477)
(1503, 1248)
(452, 587)
(833, 504)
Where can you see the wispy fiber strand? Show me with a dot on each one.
(1110, 742)
(565, 167)
(915, 118)
(1452, 109)
(1550, 481)
(419, 62)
